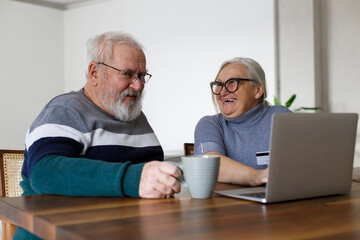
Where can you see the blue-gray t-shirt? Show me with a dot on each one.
(238, 138)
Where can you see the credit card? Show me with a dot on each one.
(263, 158)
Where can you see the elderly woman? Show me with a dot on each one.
(243, 126)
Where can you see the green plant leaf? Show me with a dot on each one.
(276, 101)
(290, 101)
(307, 108)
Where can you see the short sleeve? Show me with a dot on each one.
(209, 136)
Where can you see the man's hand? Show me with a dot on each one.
(159, 179)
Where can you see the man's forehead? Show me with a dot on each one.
(129, 55)
(127, 50)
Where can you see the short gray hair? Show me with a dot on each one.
(255, 72)
(100, 47)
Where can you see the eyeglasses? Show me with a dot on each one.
(144, 78)
(231, 85)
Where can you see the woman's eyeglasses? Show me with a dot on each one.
(231, 85)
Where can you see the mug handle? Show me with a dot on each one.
(181, 180)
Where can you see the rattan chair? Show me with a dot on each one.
(11, 162)
(188, 148)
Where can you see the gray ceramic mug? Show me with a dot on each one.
(200, 174)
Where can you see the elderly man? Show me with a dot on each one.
(97, 141)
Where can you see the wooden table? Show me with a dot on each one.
(181, 217)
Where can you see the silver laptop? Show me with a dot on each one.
(311, 155)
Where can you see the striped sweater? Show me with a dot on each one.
(75, 148)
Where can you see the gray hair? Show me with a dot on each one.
(255, 72)
(100, 47)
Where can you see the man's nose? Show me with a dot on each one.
(136, 85)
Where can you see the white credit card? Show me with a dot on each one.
(263, 158)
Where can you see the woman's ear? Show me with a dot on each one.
(259, 91)
(93, 74)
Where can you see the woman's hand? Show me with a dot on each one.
(234, 172)
(258, 177)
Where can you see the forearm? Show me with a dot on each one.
(234, 172)
(85, 177)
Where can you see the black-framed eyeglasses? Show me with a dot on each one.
(131, 76)
(231, 85)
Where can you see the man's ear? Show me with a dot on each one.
(93, 74)
(259, 91)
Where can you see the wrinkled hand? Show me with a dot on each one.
(159, 179)
(258, 177)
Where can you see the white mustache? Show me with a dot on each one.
(132, 93)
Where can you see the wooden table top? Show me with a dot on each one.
(181, 217)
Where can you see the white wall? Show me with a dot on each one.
(31, 66)
(185, 41)
(341, 63)
(297, 52)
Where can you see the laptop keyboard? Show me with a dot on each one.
(256, 194)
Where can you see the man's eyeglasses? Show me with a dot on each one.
(231, 85)
(144, 78)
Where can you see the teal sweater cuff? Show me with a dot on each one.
(131, 180)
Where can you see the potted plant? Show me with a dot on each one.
(291, 100)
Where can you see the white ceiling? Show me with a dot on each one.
(61, 4)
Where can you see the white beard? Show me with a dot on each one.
(123, 112)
